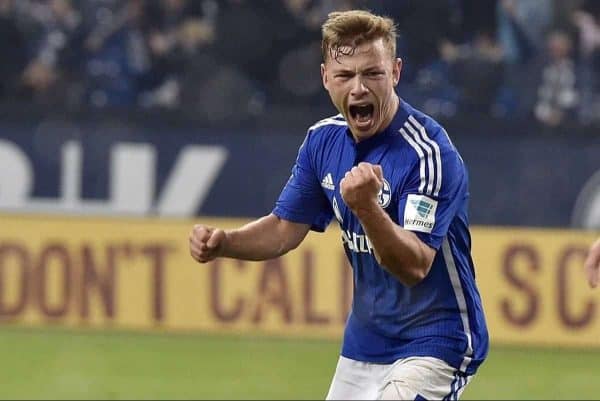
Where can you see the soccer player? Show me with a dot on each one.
(398, 188)
(592, 264)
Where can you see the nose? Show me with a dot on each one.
(359, 89)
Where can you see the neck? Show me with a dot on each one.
(395, 103)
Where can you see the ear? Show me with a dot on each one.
(324, 75)
(397, 71)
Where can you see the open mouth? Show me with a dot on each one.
(362, 114)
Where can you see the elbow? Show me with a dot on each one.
(408, 274)
(286, 246)
(414, 277)
(282, 250)
(409, 265)
(287, 236)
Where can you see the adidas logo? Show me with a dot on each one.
(327, 182)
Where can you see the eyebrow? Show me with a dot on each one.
(343, 70)
(374, 68)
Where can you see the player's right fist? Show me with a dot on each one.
(206, 243)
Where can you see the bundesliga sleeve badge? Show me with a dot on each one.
(419, 213)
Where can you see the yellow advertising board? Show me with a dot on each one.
(138, 274)
(533, 286)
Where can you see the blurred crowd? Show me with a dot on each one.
(228, 60)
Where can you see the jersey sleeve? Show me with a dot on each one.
(426, 207)
(302, 200)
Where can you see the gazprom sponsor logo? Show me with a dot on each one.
(419, 213)
(357, 242)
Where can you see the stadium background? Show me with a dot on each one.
(125, 122)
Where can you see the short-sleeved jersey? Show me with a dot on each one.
(425, 190)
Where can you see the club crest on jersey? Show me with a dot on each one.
(385, 194)
(419, 213)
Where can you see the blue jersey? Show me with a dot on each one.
(425, 190)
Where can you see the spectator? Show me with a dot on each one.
(476, 68)
(476, 55)
(46, 74)
(175, 31)
(586, 20)
(557, 95)
(301, 50)
(443, 20)
(522, 28)
(522, 31)
(114, 54)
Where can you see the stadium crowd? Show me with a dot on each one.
(225, 60)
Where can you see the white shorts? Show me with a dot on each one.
(414, 378)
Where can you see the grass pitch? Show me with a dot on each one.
(61, 364)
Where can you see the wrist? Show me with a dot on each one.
(368, 210)
(225, 247)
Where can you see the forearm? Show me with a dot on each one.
(265, 238)
(399, 251)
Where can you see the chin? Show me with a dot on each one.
(363, 133)
(371, 129)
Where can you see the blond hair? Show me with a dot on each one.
(345, 30)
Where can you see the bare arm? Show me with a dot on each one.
(399, 251)
(592, 264)
(264, 238)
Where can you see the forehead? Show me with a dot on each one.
(372, 53)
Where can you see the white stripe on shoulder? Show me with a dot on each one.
(329, 121)
(460, 300)
(436, 148)
(418, 139)
(419, 151)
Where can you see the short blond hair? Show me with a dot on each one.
(353, 28)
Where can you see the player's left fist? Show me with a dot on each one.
(360, 186)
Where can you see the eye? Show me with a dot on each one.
(374, 73)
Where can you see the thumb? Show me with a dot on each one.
(215, 240)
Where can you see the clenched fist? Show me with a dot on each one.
(206, 243)
(360, 186)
